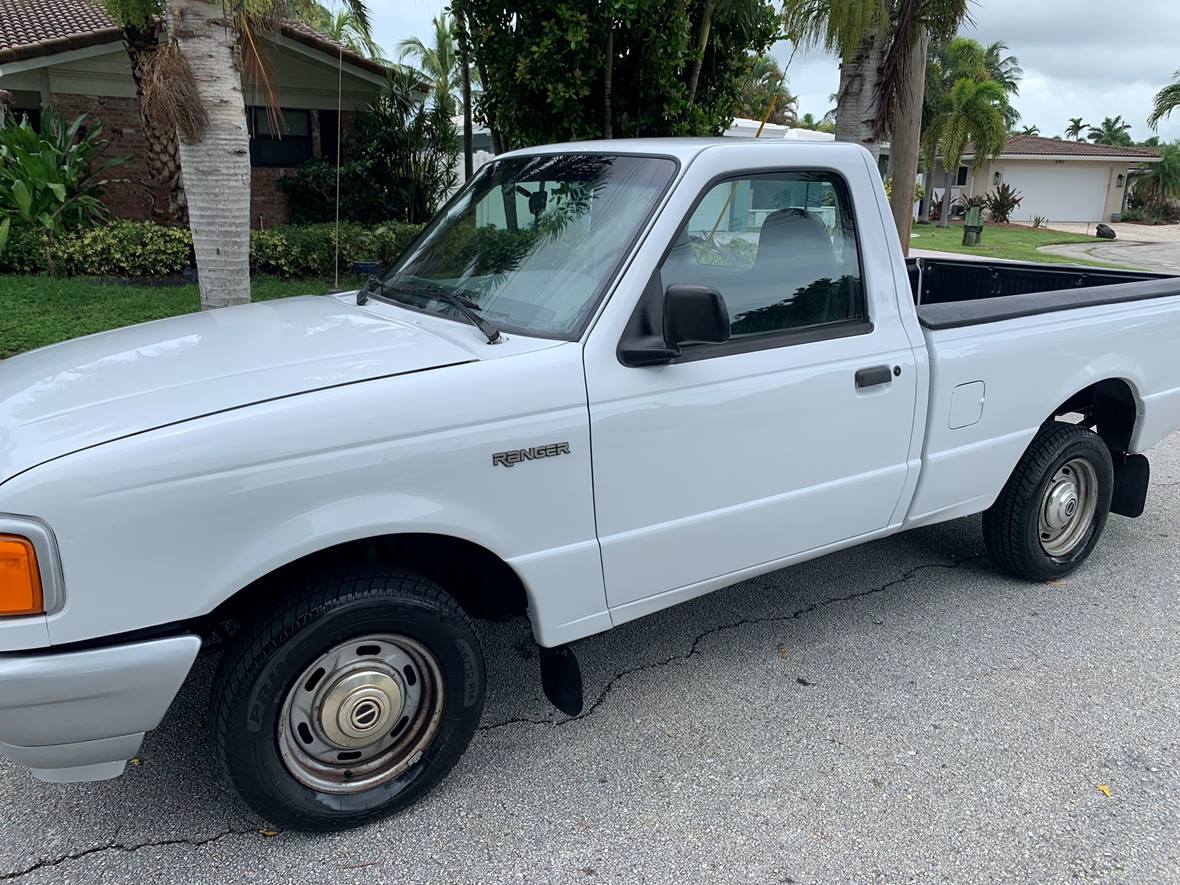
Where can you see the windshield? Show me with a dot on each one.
(532, 241)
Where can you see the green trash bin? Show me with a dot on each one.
(973, 227)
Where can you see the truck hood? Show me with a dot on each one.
(88, 391)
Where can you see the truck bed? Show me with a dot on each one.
(950, 293)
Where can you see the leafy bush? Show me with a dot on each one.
(128, 249)
(51, 177)
(141, 249)
(1002, 202)
(1039, 221)
(310, 250)
(1168, 213)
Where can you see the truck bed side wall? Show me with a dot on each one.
(1030, 366)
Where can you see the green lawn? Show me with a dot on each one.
(39, 310)
(1015, 242)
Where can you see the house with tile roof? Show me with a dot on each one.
(1058, 179)
(69, 55)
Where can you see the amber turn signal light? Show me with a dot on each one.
(20, 579)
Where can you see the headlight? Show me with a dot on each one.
(20, 578)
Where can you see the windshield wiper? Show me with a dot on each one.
(464, 305)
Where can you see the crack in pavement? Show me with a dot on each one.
(693, 649)
(50, 863)
(906, 576)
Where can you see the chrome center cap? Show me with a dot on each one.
(360, 708)
(1062, 505)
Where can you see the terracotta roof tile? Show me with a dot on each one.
(1035, 145)
(33, 28)
(29, 28)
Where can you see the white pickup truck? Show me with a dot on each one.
(607, 378)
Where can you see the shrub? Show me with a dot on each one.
(127, 249)
(310, 250)
(1001, 203)
(140, 249)
(50, 177)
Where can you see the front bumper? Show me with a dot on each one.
(80, 715)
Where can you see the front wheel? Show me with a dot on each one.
(348, 702)
(1053, 508)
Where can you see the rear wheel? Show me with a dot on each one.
(349, 701)
(1053, 508)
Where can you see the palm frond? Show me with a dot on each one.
(1166, 101)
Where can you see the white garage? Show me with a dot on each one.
(1058, 179)
(1065, 192)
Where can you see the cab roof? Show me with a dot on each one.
(683, 149)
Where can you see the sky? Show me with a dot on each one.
(1093, 58)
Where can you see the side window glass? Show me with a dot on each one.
(779, 247)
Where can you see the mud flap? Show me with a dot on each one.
(1132, 475)
(561, 677)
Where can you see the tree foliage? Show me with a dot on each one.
(546, 66)
(437, 63)
(765, 91)
(1159, 184)
(1166, 101)
(1113, 131)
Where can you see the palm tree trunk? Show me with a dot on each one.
(465, 66)
(161, 150)
(217, 165)
(856, 104)
(944, 217)
(906, 138)
(694, 67)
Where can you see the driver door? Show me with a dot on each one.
(791, 437)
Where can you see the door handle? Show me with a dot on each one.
(875, 376)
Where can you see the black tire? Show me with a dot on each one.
(261, 666)
(1010, 526)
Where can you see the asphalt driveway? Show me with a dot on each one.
(1155, 257)
(899, 712)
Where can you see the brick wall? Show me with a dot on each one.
(268, 203)
(132, 197)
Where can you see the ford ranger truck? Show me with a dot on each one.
(606, 378)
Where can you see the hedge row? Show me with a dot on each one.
(143, 249)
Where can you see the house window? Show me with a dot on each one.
(1120, 181)
(961, 179)
(997, 179)
(290, 147)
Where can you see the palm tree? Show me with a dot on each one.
(343, 27)
(765, 93)
(439, 62)
(1030, 130)
(1113, 131)
(855, 31)
(882, 45)
(1004, 69)
(1160, 182)
(1166, 101)
(193, 86)
(1075, 128)
(974, 116)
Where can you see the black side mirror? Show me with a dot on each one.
(694, 315)
(691, 315)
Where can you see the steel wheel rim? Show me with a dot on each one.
(361, 713)
(1067, 507)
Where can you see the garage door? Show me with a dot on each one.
(1064, 192)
